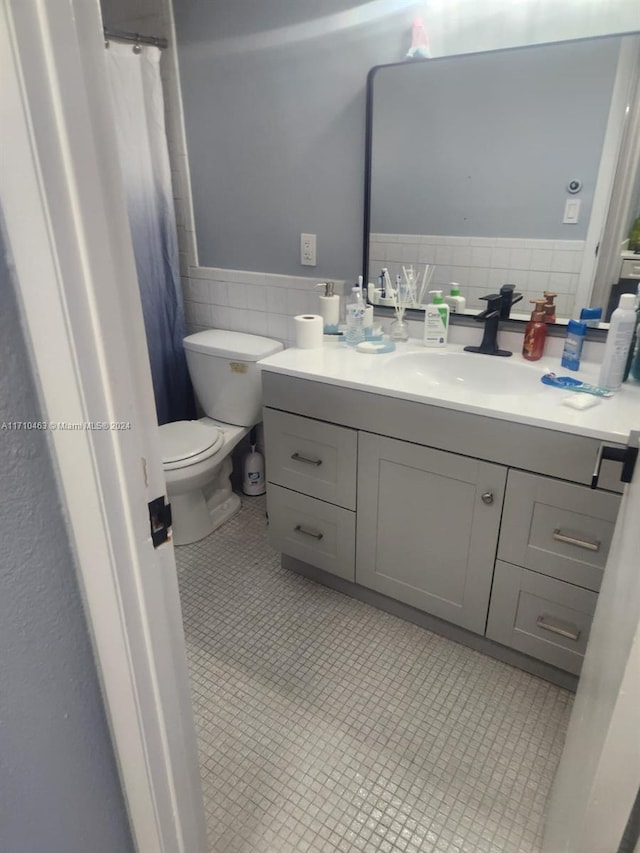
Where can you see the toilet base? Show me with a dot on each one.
(199, 512)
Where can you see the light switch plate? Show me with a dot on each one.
(571, 211)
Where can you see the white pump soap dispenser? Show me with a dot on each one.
(329, 308)
(455, 302)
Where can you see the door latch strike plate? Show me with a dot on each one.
(628, 456)
(160, 520)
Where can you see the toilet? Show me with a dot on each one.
(196, 455)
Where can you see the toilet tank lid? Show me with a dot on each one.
(220, 342)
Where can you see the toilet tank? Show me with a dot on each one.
(225, 376)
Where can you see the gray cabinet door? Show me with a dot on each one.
(427, 527)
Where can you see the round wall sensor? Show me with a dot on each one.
(574, 186)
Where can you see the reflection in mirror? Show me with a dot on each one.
(497, 168)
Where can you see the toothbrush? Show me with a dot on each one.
(569, 383)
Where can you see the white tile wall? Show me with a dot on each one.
(244, 301)
(484, 264)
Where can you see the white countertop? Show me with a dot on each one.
(337, 364)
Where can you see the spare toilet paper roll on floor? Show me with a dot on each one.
(309, 331)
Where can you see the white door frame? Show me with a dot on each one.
(599, 773)
(66, 225)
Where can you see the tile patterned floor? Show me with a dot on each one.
(325, 725)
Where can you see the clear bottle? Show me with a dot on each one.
(623, 321)
(355, 318)
(572, 351)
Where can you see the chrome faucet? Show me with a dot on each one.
(491, 317)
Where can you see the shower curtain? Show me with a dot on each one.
(136, 95)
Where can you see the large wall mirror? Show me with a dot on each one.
(499, 167)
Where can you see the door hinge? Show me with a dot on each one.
(160, 519)
(628, 456)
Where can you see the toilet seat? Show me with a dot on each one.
(188, 442)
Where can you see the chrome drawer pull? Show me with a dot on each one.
(556, 629)
(590, 545)
(297, 458)
(299, 529)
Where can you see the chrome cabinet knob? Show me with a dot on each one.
(487, 498)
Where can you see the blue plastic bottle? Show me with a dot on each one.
(576, 332)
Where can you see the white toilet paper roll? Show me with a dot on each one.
(308, 328)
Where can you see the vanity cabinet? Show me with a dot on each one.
(484, 523)
(552, 552)
(428, 525)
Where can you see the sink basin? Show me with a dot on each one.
(478, 374)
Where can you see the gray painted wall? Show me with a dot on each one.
(484, 145)
(274, 100)
(59, 787)
(275, 114)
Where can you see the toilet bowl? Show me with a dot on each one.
(197, 467)
(196, 455)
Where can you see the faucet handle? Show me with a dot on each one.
(509, 298)
(494, 301)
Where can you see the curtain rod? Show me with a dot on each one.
(135, 37)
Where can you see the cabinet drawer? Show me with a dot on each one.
(540, 616)
(558, 529)
(312, 457)
(313, 531)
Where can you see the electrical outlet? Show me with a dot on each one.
(308, 250)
